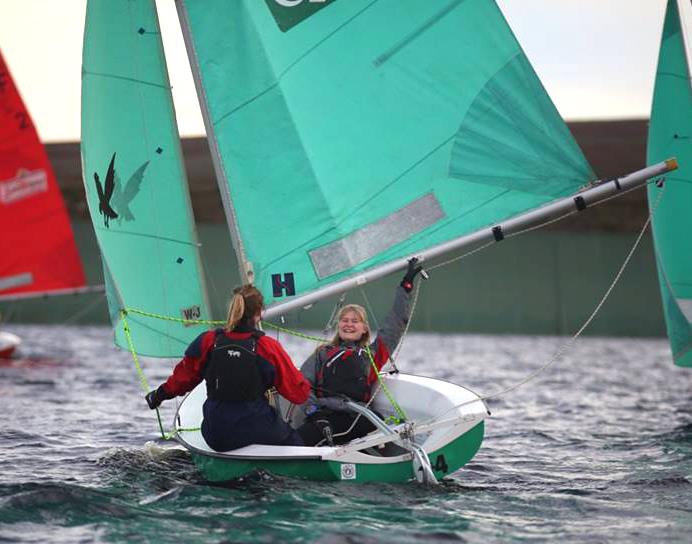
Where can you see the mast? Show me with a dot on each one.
(497, 233)
(245, 266)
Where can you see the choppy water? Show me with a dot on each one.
(597, 449)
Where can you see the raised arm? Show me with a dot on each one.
(394, 323)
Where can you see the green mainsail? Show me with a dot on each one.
(134, 179)
(360, 133)
(670, 134)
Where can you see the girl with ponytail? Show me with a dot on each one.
(239, 364)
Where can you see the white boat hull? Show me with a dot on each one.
(449, 443)
(8, 344)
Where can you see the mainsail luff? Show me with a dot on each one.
(245, 267)
(497, 232)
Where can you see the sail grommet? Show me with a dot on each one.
(580, 203)
(498, 234)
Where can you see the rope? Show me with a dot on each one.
(294, 333)
(138, 366)
(395, 355)
(79, 313)
(395, 405)
(561, 350)
(372, 313)
(530, 229)
(381, 385)
(331, 322)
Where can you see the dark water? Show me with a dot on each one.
(597, 449)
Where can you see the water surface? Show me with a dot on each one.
(597, 449)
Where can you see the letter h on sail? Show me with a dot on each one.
(279, 285)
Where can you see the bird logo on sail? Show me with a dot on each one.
(105, 193)
(114, 201)
(122, 197)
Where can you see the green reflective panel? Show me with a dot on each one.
(371, 130)
(670, 133)
(134, 179)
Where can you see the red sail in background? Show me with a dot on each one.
(38, 254)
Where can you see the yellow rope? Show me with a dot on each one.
(399, 411)
(176, 319)
(138, 366)
(123, 314)
(295, 333)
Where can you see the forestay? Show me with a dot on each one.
(670, 131)
(134, 179)
(351, 133)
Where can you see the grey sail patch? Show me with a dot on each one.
(377, 237)
(685, 305)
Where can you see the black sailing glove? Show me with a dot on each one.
(411, 272)
(155, 398)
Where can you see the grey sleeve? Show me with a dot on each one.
(309, 370)
(395, 321)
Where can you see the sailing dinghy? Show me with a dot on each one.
(39, 253)
(670, 130)
(347, 137)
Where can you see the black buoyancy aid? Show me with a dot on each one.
(232, 371)
(345, 372)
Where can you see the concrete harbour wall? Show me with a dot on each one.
(544, 282)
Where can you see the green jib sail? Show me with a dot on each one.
(134, 179)
(351, 133)
(670, 133)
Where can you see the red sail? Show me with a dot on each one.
(37, 249)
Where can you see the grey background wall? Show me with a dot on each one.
(544, 282)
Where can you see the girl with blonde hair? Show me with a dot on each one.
(239, 364)
(343, 369)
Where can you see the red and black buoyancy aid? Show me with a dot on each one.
(345, 372)
(232, 371)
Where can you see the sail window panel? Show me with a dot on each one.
(377, 237)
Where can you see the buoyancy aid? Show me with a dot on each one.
(344, 372)
(232, 371)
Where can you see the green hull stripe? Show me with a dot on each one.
(456, 454)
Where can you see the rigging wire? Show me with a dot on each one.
(381, 385)
(369, 308)
(564, 347)
(82, 311)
